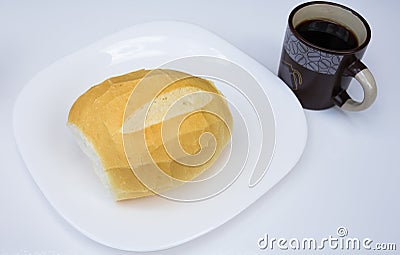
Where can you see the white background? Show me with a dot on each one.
(348, 176)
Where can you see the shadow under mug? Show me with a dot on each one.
(319, 76)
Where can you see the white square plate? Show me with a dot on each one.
(64, 174)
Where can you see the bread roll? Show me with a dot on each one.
(110, 118)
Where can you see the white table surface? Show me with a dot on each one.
(348, 176)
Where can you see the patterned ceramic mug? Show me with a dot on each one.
(322, 52)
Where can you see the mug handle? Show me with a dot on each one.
(362, 74)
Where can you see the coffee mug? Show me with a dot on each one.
(322, 51)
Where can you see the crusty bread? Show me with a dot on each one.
(110, 117)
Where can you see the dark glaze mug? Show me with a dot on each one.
(319, 76)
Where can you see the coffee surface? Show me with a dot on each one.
(327, 34)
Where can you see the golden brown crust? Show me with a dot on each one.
(99, 115)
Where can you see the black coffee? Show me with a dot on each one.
(327, 34)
